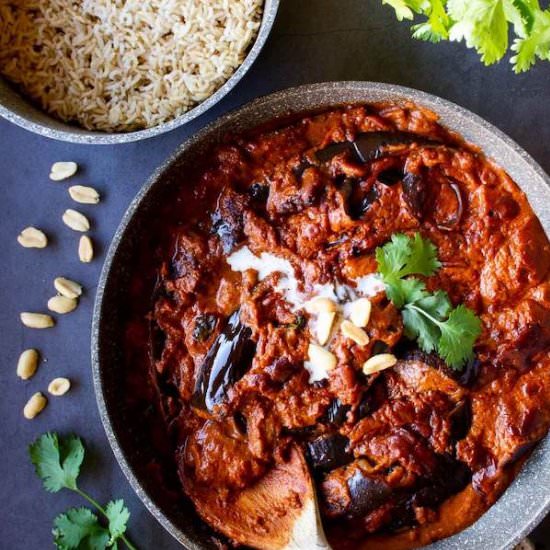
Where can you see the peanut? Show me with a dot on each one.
(27, 364)
(34, 406)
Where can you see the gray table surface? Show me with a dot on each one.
(313, 40)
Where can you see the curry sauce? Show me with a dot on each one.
(401, 457)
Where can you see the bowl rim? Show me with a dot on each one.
(76, 134)
(502, 526)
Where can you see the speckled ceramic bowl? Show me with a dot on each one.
(524, 503)
(19, 110)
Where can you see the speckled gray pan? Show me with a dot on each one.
(526, 501)
(19, 110)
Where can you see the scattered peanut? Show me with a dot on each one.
(27, 364)
(31, 237)
(62, 304)
(34, 406)
(85, 249)
(353, 332)
(36, 320)
(321, 357)
(59, 386)
(379, 362)
(360, 312)
(83, 194)
(323, 327)
(319, 304)
(63, 170)
(67, 288)
(75, 220)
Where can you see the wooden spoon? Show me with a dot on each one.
(279, 512)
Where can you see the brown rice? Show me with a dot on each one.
(121, 65)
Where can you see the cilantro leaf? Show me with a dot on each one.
(404, 255)
(421, 326)
(458, 335)
(57, 465)
(418, 327)
(423, 258)
(402, 291)
(534, 44)
(393, 255)
(79, 528)
(427, 317)
(57, 462)
(484, 26)
(437, 26)
(402, 8)
(118, 516)
(424, 31)
(437, 304)
(520, 14)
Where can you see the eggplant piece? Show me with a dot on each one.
(204, 326)
(357, 209)
(259, 192)
(370, 145)
(324, 155)
(328, 452)
(366, 147)
(373, 398)
(410, 352)
(226, 362)
(304, 432)
(228, 234)
(346, 185)
(390, 177)
(356, 201)
(465, 377)
(367, 494)
(227, 220)
(336, 412)
(450, 478)
(415, 193)
(461, 420)
(454, 221)
(403, 517)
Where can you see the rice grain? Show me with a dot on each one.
(122, 65)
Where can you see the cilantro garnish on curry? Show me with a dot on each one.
(427, 316)
(359, 284)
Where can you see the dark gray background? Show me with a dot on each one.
(313, 40)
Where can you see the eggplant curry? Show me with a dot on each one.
(362, 285)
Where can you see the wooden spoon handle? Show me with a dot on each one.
(307, 533)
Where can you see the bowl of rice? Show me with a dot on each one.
(115, 71)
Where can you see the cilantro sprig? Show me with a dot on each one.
(57, 463)
(483, 25)
(427, 317)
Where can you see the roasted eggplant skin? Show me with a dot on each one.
(328, 452)
(225, 363)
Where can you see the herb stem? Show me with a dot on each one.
(100, 508)
(425, 313)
